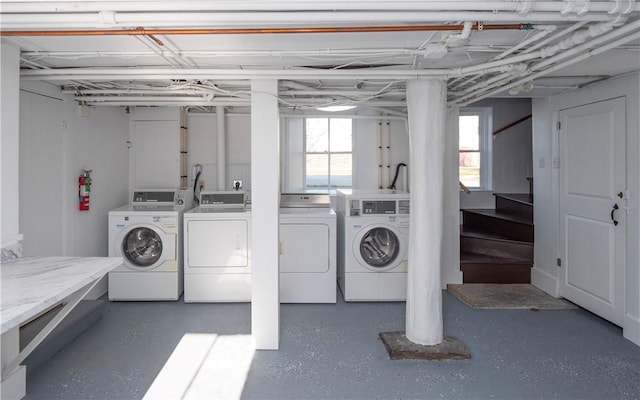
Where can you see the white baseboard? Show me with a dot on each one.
(631, 329)
(544, 281)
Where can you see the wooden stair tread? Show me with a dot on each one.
(523, 198)
(476, 258)
(482, 234)
(499, 215)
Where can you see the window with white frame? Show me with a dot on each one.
(328, 153)
(475, 144)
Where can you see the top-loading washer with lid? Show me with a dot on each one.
(373, 238)
(147, 234)
(217, 240)
(307, 249)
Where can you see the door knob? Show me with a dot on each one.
(613, 217)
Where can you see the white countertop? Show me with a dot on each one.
(30, 285)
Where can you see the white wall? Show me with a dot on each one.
(366, 152)
(512, 152)
(99, 143)
(154, 156)
(9, 142)
(56, 145)
(42, 155)
(545, 112)
(202, 148)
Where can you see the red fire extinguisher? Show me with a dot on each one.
(84, 189)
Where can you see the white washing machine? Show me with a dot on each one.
(373, 229)
(217, 243)
(147, 234)
(307, 249)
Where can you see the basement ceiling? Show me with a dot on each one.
(204, 53)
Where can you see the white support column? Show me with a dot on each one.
(426, 101)
(265, 199)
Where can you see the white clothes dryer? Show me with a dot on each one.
(217, 244)
(373, 240)
(147, 235)
(308, 270)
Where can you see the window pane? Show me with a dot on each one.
(341, 165)
(470, 168)
(317, 170)
(317, 135)
(340, 134)
(469, 132)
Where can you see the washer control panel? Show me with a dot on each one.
(378, 207)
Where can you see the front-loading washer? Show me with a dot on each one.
(373, 239)
(147, 234)
(217, 243)
(307, 249)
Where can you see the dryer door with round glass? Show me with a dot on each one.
(379, 248)
(144, 247)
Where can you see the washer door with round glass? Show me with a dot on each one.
(379, 248)
(145, 247)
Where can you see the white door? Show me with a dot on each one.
(592, 207)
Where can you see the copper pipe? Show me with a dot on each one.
(250, 31)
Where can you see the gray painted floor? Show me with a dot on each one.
(333, 352)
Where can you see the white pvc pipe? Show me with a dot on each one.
(557, 67)
(625, 30)
(280, 19)
(231, 53)
(426, 100)
(221, 159)
(310, 5)
(545, 30)
(108, 74)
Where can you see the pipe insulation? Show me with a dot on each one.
(221, 149)
(426, 100)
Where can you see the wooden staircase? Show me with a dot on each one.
(496, 246)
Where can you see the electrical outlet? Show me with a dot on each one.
(237, 184)
(200, 184)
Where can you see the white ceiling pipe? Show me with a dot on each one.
(110, 74)
(367, 93)
(282, 19)
(73, 55)
(100, 99)
(549, 39)
(309, 5)
(485, 83)
(625, 30)
(166, 103)
(556, 36)
(544, 31)
(505, 85)
(554, 68)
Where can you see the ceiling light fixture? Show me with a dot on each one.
(335, 108)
